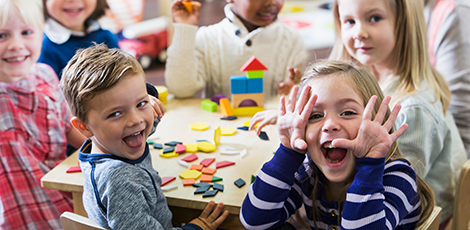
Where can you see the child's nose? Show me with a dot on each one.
(134, 119)
(360, 31)
(16, 44)
(330, 125)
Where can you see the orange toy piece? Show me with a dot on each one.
(197, 167)
(187, 182)
(209, 171)
(189, 5)
(225, 107)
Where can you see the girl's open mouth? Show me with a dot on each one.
(333, 155)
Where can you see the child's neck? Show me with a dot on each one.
(381, 74)
(336, 191)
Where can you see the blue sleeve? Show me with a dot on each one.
(381, 196)
(191, 227)
(276, 194)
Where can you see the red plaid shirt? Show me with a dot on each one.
(34, 119)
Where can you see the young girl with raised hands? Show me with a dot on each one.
(339, 157)
(72, 25)
(389, 37)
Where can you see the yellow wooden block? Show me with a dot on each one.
(228, 131)
(217, 134)
(199, 126)
(206, 147)
(247, 111)
(247, 124)
(162, 93)
(190, 174)
(168, 155)
(191, 148)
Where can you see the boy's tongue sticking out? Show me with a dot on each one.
(134, 140)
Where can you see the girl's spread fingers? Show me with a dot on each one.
(291, 103)
(282, 106)
(392, 118)
(379, 117)
(309, 107)
(369, 108)
(395, 135)
(302, 100)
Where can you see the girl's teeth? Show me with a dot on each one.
(17, 59)
(329, 146)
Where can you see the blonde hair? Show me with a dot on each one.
(92, 71)
(365, 85)
(412, 65)
(31, 11)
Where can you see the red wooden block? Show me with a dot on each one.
(180, 148)
(190, 158)
(253, 64)
(167, 179)
(210, 171)
(222, 164)
(206, 162)
(187, 182)
(74, 169)
(197, 167)
(205, 178)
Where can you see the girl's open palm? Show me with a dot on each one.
(292, 120)
(373, 139)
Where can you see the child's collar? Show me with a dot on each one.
(59, 34)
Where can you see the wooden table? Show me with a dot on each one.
(175, 126)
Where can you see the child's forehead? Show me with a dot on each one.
(26, 15)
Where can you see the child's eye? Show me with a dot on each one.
(348, 113)
(349, 22)
(3, 36)
(375, 18)
(141, 104)
(114, 114)
(315, 116)
(26, 32)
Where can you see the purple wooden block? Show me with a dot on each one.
(248, 103)
(217, 97)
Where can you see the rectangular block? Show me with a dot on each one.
(247, 111)
(255, 85)
(209, 105)
(237, 99)
(255, 74)
(238, 84)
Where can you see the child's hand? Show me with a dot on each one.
(284, 87)
(208, 221)
(159, 109)
(181, 15)
(292, 121)
(373, 139)
(267, 117)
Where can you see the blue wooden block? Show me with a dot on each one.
(157, 146)
(210, 193)
(239, 183)
(219, 187)
(254, 85)
(173, 143)
(169, 149)
(238, 84)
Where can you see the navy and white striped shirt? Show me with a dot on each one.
(382, 196)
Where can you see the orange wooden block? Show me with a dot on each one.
(187, 182)
(225, 107)
(209, 171)
(206, 178)
(197, 167)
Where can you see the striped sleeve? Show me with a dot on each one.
(275, 195)
(382, 196)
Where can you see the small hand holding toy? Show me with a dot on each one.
(186, 12)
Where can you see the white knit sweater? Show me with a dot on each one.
(208, 56)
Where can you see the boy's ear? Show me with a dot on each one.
(81, 127)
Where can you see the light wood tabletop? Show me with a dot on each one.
(175, 126)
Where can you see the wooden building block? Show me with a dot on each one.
(187, 182)
(190, 174)
(222, 164)
(190, 158)
(217, 134)
(191, 148)
(197, 167)
(254, 85)
(206, 162)
(225, 107)
(255, 74)
(247, 111)
(209, 105)
(238, 84)
(210, 171)
(167, 179)
(206, 147)
(253, 64)
(237, 99)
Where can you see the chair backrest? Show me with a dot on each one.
(461, 216)
(432, 223)
(72, 221)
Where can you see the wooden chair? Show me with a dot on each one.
(72, 221)
(461, 215)
(432, 223)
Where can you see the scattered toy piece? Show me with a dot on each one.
(199, 126)
(168, 188)
(149, 142)
(243, 153)
(167, 179)
(191, 148)
(173, 143)
(217, 134)
(183, 163)
(190, 158)
(197, 167)
(218, 186)
(245, 128)
(157, 146)
(169, 149)
(206, 178)
(201, 184)
(247, 124)
(210, 193)
(264, 136)
(215, 179)
(223, 164)
(239, 183)
(206, 162)
(230, 118)
(197, 141)
(74, 169)
(168, 155)
(187, 182)
(210, 171)
(217, 98)
(253, 178)
(206, 147)
(201, 190)
(228, 131)
(227, 150)
(209, 105)
(225, 107)
(179, 148)
(190, 174)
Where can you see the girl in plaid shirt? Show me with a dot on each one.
(34, 122)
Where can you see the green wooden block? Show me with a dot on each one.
(209, 105)
(253, 178)
(255, 74)
(216, 179)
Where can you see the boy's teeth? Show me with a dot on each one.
(17, 59)
(135, 134)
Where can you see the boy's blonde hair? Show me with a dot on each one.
(100, 10)
(92, 71)
(410, 51)
(31, 12)
(365, 85)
